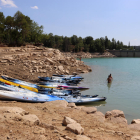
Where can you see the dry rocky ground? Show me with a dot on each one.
(27, 63)
(57, 120)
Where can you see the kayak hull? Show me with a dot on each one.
(27, 97)
(18, 85)
(83, 100)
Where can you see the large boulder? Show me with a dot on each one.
(117, 120)
(50, 61)
(68, 120)
(114, 113)
(34, 61)
(72, 105)
(3, 61)
(135, 121)
(61, 68)
(56, 51)
(116, 116)
(18, 114)
(67, 71)
(75, 127)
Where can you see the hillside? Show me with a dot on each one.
(27, 63)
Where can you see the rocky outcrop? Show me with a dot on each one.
(18, 114)
(68, 120)
(60, 120)
(114, 113)
(72, 125)
(75, 127)
(135, 121)
(32, 62)
(72, 105)
(116, 116)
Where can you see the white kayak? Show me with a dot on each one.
(83, 99)
(27, 97)
(14, 88)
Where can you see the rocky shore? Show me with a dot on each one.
(57, 120)
(30, 62)
(89, 55)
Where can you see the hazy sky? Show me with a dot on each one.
(117, 19)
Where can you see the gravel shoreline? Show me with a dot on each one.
(89, 55)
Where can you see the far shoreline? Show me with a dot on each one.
(89, 55)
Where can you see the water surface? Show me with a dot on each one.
(124, 91)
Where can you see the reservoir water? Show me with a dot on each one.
(124, 91)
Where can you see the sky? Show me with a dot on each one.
(118, 19)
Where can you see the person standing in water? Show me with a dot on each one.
(109, 79)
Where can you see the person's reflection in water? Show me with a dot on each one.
(109, 85)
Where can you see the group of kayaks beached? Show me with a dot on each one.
(57, 87)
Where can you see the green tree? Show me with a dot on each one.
(86, 48)
(9, 26)
(106, 43)
(2, 20)
(113, 44)
(58, 41)
(19, 25)
(67, 44)
(36, 32)
(74, 40)
(90, 42)
(100, 47)
(80, 44)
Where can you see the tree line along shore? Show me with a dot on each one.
(21, 30)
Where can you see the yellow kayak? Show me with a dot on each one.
(15, 84)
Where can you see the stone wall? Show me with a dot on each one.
(123, 53)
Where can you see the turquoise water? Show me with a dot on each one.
(124, 91)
